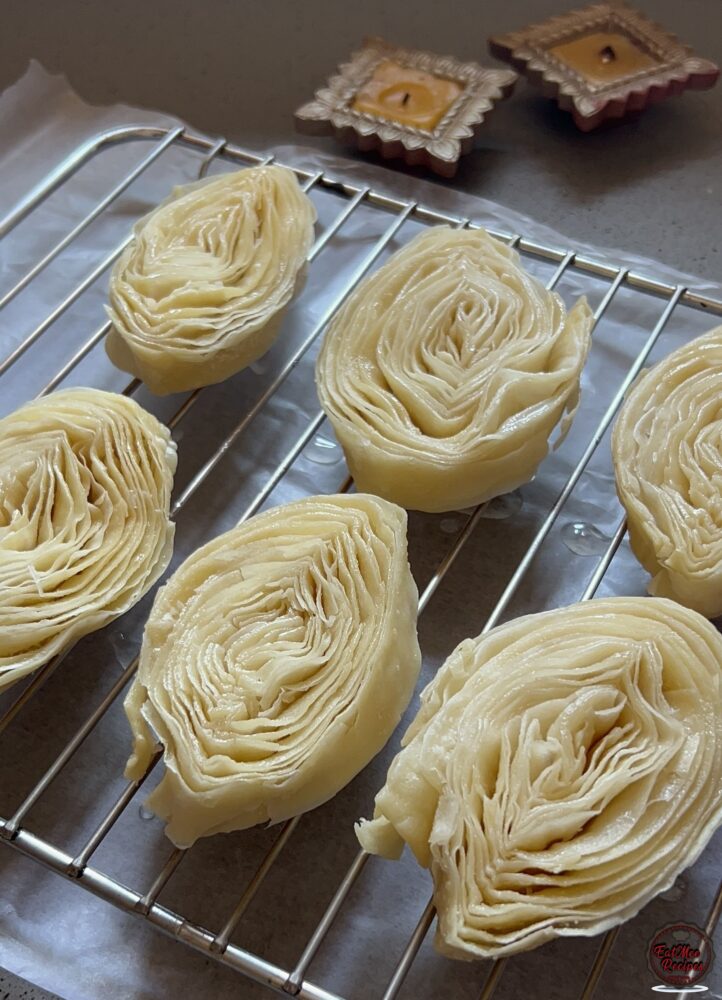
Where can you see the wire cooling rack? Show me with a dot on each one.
(16, 833)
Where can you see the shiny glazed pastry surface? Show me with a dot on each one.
(667, 449)
(447, 371)
(275, 664)
(85, 484)
(562, 770)
(199, 292)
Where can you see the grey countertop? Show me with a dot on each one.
(653, 186)
(13, 988)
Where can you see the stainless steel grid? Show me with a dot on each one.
(77, 867)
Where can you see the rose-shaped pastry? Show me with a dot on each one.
(447, 370)
(199, 292)
(275, 663)
(667, 449)
(85, 484)
(562, 770)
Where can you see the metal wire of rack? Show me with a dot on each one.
(77, 866)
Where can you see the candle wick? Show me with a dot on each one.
(405, 99)
(607, 54)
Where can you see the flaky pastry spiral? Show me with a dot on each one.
(667, 449)
(562, 770)
(199, 292)
(85, 484)
(275, 664)
(447, 370)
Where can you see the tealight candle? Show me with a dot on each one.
(604, 62)
(603, 56)
(405, 95)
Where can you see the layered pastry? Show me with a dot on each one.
(448, 369)
(275, 664)
(85, 484)
(667, 449)
(199, 292)
(562, 770)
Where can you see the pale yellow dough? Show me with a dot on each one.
(667, 449)
(85, 484)
(199, 292)
(447, 371)
(562, 770)
(275, 664)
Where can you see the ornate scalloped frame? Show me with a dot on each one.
(330, 111)
(677, 68)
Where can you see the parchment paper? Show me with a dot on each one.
(61, 937)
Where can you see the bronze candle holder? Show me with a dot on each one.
(604, 62)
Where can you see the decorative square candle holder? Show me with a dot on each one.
(603, 62)
(407, 104)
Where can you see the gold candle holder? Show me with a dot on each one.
(407, 104)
